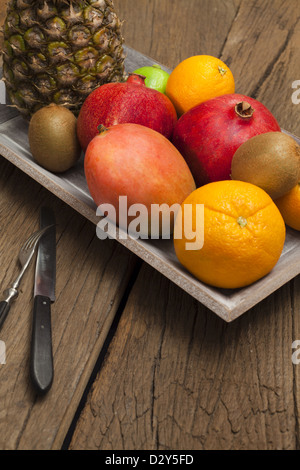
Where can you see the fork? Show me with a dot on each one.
(25, 255)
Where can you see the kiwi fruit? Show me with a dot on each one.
(53, 139)
(270, 161)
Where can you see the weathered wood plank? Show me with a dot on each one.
(262, 51)
(91, 278)
(203, 384)
(170, 31)
(175, 376)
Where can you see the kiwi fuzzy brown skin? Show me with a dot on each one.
(52, 138)
(270, 161)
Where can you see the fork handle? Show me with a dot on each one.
(4, 309)
(10, 294)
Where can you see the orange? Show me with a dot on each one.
(289, 206)
(197, 79)
(243, 234)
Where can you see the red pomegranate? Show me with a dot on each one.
(208, 135)
(128, 102)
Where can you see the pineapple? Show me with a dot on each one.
(59, 51)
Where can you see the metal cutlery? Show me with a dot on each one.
(41, 361)
(25, 255)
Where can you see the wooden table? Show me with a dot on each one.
(138, 363)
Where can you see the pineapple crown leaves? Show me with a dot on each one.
(101, 4)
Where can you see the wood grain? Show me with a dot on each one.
(178, 378)
(172, 31)
(262, 51)
(175, 376)
(91, 279)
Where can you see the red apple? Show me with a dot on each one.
(129, 102)
(137, 162)
(209, 134)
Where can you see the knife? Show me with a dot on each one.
(41, 361)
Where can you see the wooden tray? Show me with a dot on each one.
(71, 187)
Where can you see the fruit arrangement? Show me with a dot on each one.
(185, 140)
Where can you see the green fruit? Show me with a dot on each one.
(53, 139)
(156, 77)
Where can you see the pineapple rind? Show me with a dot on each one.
(60, 51)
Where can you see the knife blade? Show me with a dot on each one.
(41, 362)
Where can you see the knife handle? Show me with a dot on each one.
(4, 309)
(41, 364)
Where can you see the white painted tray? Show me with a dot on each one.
(72, 189)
